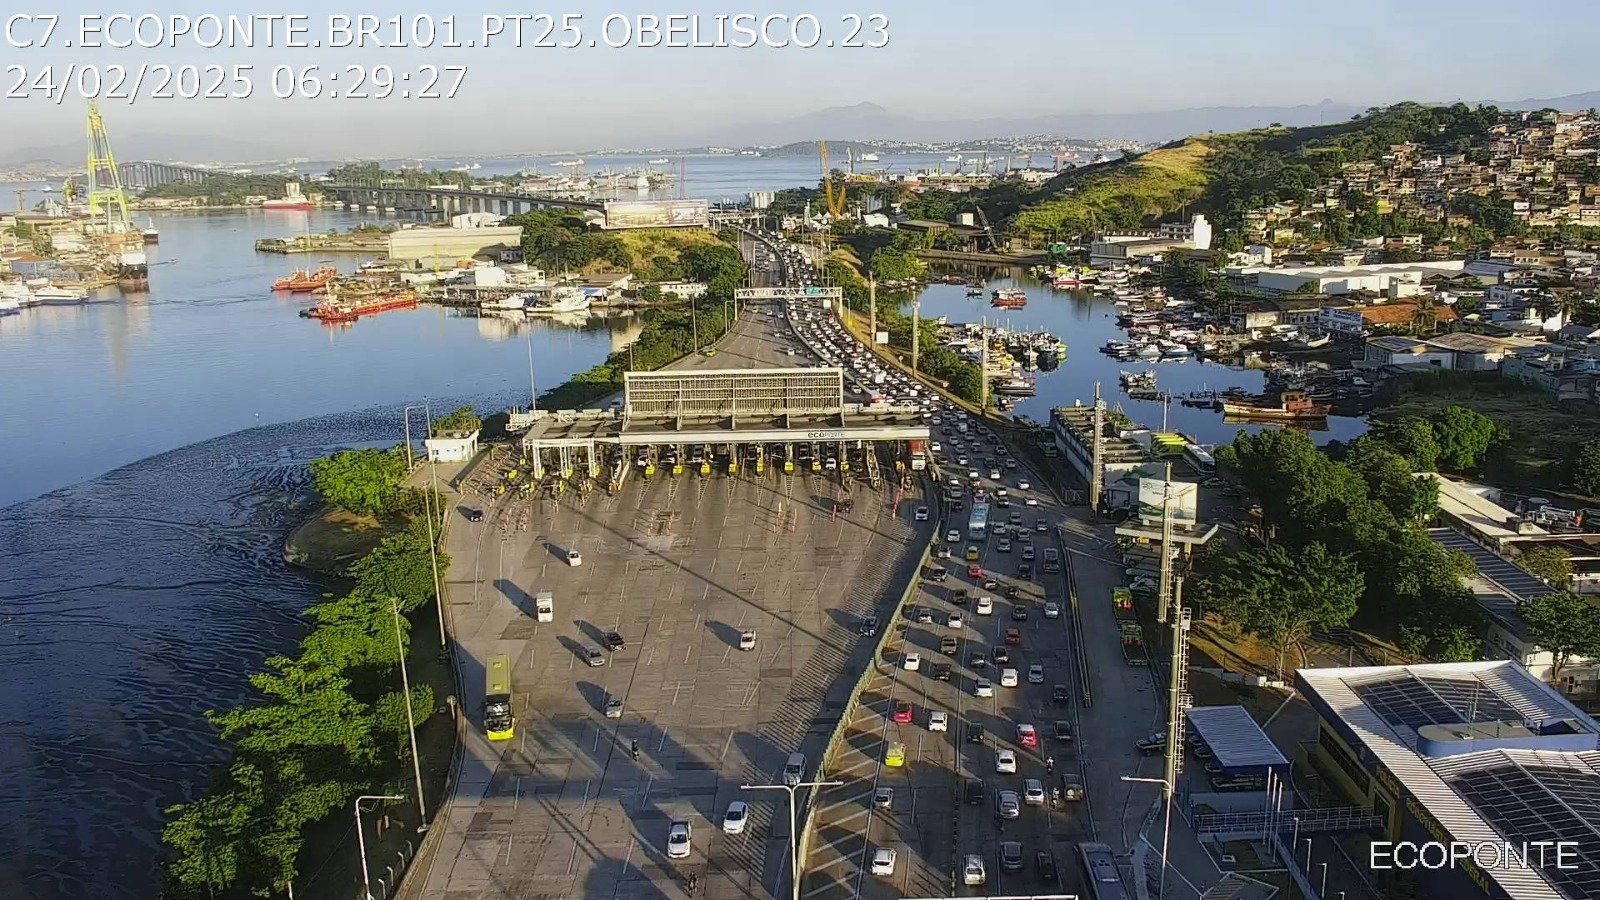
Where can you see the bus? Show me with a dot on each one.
(1199, 458)
(498, 722)
(978, 523)
(1105, 881)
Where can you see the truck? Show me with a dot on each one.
(498, 722)
(919, 456)
(544, 606)
(1133, 644)
(978, 522)
(1122, 604)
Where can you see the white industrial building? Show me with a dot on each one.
(1393, 279)
(1113, 250)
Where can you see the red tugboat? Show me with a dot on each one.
(305, 280)
(335, 309)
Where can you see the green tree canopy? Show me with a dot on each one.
(1412, 437)
(463, 419)
(401, 567)
(1281, 594)
(362, 481)
(1390, 480)
(1564, 624)
(1551, 562)
(1586, 469)
(1464, 437)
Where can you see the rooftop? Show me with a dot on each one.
(1476, 512)
(1234, 738)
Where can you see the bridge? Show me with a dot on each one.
(141, 176)
(445, 202)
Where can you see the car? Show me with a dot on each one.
(999, 655)
(1031, 501)
(1023, 485)
(939, 721)
(1041, 526)
(971, 554)
(1013, 637)
(883, 860)
(614, 708)
(574, 558)
(952, 536)
(974, 571)
(973, 872)
(941, 671)
(975, 791)
(1033, 792)
(953, 620)
(1008, 677)
(1036, 674)
(1024, 536)
(1003, 546)
(1011, 856)
(1001, 492)
(1059, 694)
(1008, 805)
(921, 514)
(974, 733)
(962, 460)
(990, 584)
(895, 756)
(1027, 554)
(794, 769)
(679, 840)
(1013, 592)
(902, 712)
(1052, 609)
(1152, 743)
(943, 552)
(614, 641)
(1003, 502)
(924, 615)
(883, 798)
(1019, 612)
(867, 628)
(948, 645)
(733, 821)
(1025, 570)
(1046, 864)
(1027, 735)
(983, 687)
(593, 656)
(938, 573)
(911, 662)
(985, 606)
(747, 640)
(473, 515)
(1061, 729)
(1005, 762)
(994, 474)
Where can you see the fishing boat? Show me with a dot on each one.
(150, 234)
(305, 280)
(1285, 406)
(1015, 387)
(975, 290)
(659, 162)
(562, 300)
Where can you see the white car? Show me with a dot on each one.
(922, 514)
(1052, 609)
(574, 558)
(1023, 485)
(953, 620)
(938, 721)
(1031, 501)
(1005, 762)
(973, 873)
(1008, 677)
(1036, 674)
(983, 687)
(883, 861)
(912, 662)
(994, 474)
(679, 840)
(1033, 792)
(952, 536)
(985, 606)
(734, 819)
(747, 640)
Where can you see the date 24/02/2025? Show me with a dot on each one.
(158, 81)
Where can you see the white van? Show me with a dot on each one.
(544, 605)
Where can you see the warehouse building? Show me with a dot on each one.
(1477, 755)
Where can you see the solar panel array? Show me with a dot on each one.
(1511, 577)
(1527, 803)
(1407, 700)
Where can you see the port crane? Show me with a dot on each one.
(108, 201)
(832, 200)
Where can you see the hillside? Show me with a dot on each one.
(1117, 196)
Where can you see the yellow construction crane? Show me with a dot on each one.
(833, 201)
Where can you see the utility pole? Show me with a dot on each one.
(872, 308)
(794, 838)
(411, 722)
(916, 328)
(533, 393)
(1164, 585)
(983, 366)
(361, 841)
(1097, 442)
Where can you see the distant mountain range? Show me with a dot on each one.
(860, 122)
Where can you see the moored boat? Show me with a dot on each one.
(345, 309)
(305, 280)
(1285, 406)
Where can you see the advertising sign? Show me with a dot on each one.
(1182, 503)
(657, 213)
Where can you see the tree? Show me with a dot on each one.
(1551, 562)
(308, 705)
(650, 293)
(1564, 624)
(464, 419)
(1280, 595)
(1391, 482)
(1412, 437)
(362, 481)
(1464, 437)
(1586, 469)
(400, 567)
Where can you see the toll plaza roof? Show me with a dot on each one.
(1235, 740)
(866, 423)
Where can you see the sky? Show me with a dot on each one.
(942, 61)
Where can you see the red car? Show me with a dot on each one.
(974, 571)
(1027, 736)
(902, 713)
(1013, 637)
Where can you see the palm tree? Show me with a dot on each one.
(1425, 318)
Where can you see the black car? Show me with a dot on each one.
(940, 671)
(958, 505)
(975, 791)
(1013, 592)
(977, 660)
(1003, 502)
(961, 597)
(974, 733)
(615, 642)
(1059, 693)
(1000, 655)
(1061, 730)
(938, 573)
(1025, 570)
(1019, 613)
(868, 628)
(1011, 856)
(924, 615)
(1047, 866)
(473, 515)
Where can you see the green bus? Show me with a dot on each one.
(498, 721)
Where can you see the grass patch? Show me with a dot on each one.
(328, 542)
(650, 248)
(1121, 196)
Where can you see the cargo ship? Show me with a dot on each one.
(1286, 406)
(305, 280)
(337, 309)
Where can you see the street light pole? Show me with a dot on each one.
(1166, 828)
(411, 722)
(361, 841)
(406, 416)
(533, 393)
(794, 839)
(435, 513)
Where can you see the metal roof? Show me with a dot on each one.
(1516, 581)
(1234, 738)
(1379, 705)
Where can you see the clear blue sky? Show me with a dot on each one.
(944, 61)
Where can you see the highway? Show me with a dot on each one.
(679, 567)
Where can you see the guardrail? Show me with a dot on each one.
(885, 635)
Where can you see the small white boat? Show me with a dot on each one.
(51, 295)
(513, 302)
(659, 162)
(1148, 351)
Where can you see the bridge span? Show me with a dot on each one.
(445, 202)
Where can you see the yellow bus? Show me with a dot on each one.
(498, 721)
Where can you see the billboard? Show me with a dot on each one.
(1183, 503)
(657, 213)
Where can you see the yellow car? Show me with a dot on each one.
(896, 755)
(972, 553)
